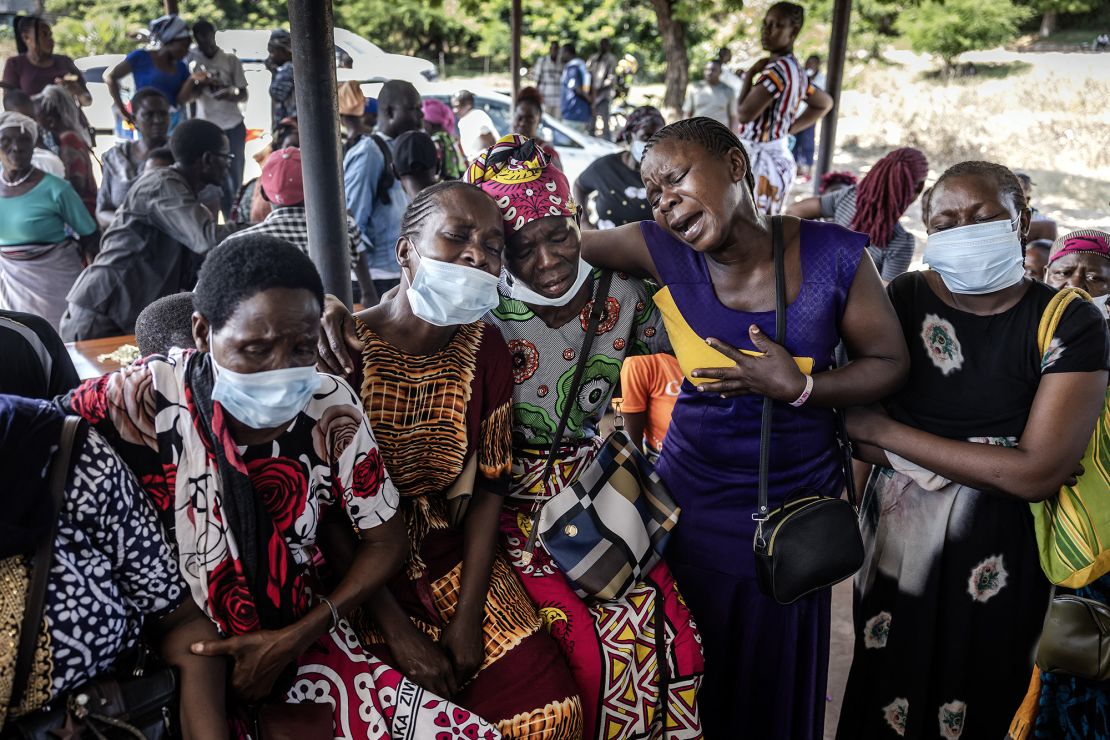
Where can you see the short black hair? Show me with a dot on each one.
(1001, 176)
(17, 100)
(570, 47)
(414, 152)
(794, 13)
(463, 96)
(161, 154)
(194, 138)
(165, 324)
(245, 265)
(203, 26)
(142, 94)
(717, 139)
(1045, 244)
(394, 92)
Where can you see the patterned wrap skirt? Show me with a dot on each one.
(628, 690)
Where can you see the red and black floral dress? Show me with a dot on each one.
(327, 457)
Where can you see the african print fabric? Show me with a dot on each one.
(327, 457)
(544, 359)
(628, 689)
(431, 413)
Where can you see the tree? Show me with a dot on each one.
(673, 32)
(949, 28)
(1051, 9)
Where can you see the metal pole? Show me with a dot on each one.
(514, 54)
(312, 28)
(838, 50)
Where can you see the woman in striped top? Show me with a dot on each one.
(773, 91)
(874, 207)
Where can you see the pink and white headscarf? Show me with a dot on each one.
(520, 178)
(1084, 241)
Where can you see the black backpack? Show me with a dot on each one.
(386, 179)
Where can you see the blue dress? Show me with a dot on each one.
(766, 664)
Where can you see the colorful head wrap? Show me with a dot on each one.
(167, 29)
(1084, 241)
(638, 118)
(517, 174)
(439, 113)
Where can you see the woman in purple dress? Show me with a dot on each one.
(710, 250)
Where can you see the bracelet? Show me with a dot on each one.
(334, 613)
(805, 394)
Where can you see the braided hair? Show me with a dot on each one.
(712, 135)
(1000, 175)
(426, 201)
(886, 192)
(793, 12)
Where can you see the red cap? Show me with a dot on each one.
(281, 177)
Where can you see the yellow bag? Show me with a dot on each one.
(1073, 527)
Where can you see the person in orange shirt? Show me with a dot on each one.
(649, 388)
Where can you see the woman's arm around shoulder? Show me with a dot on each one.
(623, 249)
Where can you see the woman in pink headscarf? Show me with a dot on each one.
(439, 122)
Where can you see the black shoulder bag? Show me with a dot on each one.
(812, 541)
(113, 706)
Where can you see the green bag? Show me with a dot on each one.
(1073, 527)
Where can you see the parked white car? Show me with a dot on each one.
(576, 150)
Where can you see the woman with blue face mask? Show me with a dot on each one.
(436, 384)
(951, 598)
(615, 178)
(244, 449)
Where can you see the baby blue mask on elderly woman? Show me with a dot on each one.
(268, 399)
(978, 258)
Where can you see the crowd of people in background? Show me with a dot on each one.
(293, 503)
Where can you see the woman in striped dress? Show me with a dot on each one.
(773, 91)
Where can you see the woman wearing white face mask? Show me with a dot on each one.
(436, 384)
(244, 449)
(615, 178)
(951, 598)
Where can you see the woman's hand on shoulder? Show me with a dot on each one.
(338, 342)
(774, 374)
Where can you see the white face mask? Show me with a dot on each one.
(268, 399)
(446, 294)
(977, 259)
(637, 150)
(519, 290)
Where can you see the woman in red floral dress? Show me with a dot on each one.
(244, 448)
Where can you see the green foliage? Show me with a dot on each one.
(949, 28)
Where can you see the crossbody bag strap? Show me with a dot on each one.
(597, 313)
(777, 248)
(40, 576)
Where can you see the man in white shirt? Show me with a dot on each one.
(476, 129)
(712, 98)
(224, 87)
(730, 78)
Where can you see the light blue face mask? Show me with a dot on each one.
(268, 399)
(978, 258)
(446, 294)
(637, 150)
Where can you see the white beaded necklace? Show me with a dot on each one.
(20, 181)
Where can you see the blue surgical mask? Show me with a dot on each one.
(637, 150)
(977, 259)
(446, 294)
(268, 399)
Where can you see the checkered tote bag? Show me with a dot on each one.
(608, 529)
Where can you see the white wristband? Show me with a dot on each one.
(805, 394)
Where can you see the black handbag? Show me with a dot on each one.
(1075, 640)
(136, 706)
(812, 541)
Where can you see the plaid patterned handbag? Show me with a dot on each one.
(608, 529)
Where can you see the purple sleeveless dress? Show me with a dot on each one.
(766, 664)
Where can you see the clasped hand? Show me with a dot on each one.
(774, 374)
